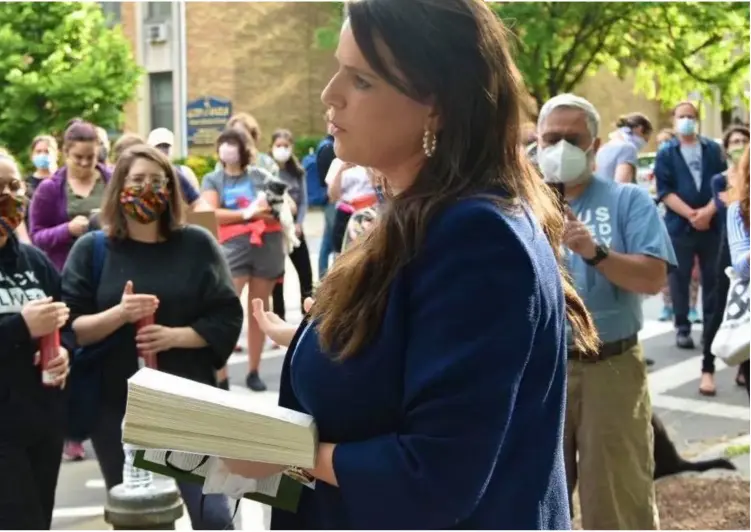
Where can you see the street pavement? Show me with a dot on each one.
(696, 423)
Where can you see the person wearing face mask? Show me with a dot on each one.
(251, 237)
(247, 124)
(63, 203)
(44, 159)
(31, 433)
(618, 250)
(197, 316)
(663, 140)
(618, 158)
(292, 173)
(164, 140)
(684, 169)
(734, 142)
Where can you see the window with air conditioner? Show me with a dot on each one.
(162, 101)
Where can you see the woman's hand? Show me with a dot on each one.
(280, 332)
(153, 339)
(58, 367)
(44, 316)
(252, 469)
(136, 306)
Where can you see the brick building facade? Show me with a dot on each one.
(260, 56)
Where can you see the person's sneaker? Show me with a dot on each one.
(223, 384)
(666, 314)
(684, 341)
(254, 382)
(73, 451)
(693, 316)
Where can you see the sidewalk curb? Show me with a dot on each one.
(718, 450)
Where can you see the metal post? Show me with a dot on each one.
(142, 502)
(156, 507)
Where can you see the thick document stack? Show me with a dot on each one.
(168, 412)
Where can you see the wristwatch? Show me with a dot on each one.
(601, 253)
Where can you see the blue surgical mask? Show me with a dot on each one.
(686, 126)
(633, 138)
(638, 142)
(41, 161)
(664, 144)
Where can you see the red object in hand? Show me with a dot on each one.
(49, 349)
(149, 361)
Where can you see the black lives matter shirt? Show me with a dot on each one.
(27, 408)
(189, 275)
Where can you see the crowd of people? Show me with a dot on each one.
(428, 415)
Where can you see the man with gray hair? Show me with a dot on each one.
(617, 250)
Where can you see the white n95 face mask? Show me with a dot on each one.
(563, 162)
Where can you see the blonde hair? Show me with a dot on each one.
(48, 139)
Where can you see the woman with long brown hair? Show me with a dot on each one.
(197, 316)
(738, 230)
(434, 357)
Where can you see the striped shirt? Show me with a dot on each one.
(738, 241)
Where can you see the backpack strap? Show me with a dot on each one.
(99, 255)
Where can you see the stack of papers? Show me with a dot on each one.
(169, 412)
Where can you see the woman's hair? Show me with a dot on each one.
(292, 166)
(740, 192)
(239, 139)
(729, 132)
(126, 141)
(633, 120)
(248, 123)
(8, 159)
(686, 102)
(112, 216)
(47, 139)
(79, 131)
(454, 54)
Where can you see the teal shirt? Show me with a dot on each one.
(625, 218)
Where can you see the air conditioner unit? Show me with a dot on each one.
(156, 33)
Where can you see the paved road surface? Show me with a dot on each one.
(694, 421)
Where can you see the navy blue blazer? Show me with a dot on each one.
(674, 177)
(452, 417)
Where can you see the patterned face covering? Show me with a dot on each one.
(144, 204)
(12, 208)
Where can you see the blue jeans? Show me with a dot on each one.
(216, 515)
(327, 244)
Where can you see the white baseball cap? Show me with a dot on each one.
(161, 135)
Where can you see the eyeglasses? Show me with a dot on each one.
(14, 186)
(142, 179)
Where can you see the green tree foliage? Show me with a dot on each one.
(59, 60)
(672, 48)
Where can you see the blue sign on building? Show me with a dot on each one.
(207, 117)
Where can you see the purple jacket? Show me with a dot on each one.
(48, 216)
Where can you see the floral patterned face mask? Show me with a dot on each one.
(144, 204)
(12, 209)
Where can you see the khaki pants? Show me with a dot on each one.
(609, 425)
